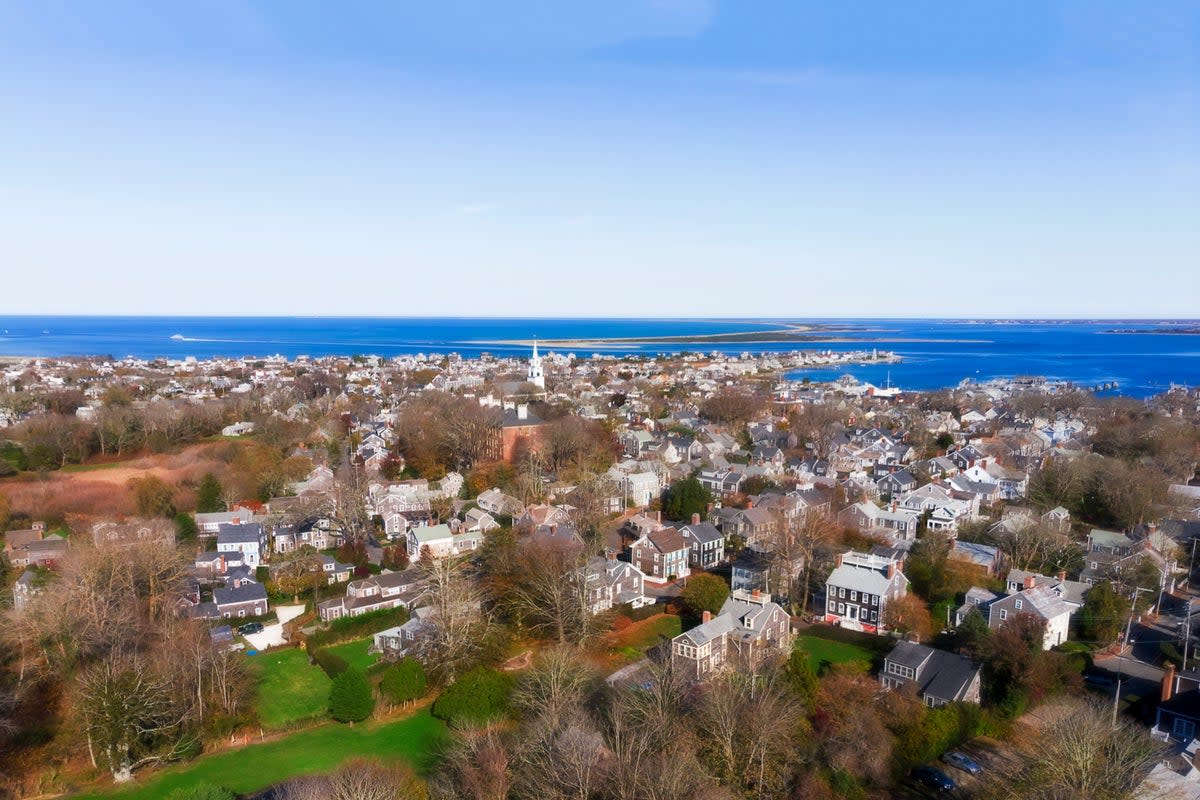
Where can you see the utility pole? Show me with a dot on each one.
(1120, 657)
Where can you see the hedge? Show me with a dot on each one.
(478, 696)
(344, 629)
(332, 664)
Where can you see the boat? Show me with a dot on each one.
(177, 337)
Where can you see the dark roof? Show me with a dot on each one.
(246, 532)
(940, 674)
(703, 532)
(244, 593)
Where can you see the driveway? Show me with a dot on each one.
(272, 635)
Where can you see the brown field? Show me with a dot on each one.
(102, 490)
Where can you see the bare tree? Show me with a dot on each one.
(551, 592)
(1081, 755)
(459, 624)
(357, 780)
(128, 715)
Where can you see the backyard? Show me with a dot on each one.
(257, 766)
(620, 647)
(290, 689)
(823, 653)
(355, 653)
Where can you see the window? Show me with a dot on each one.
(1184, 728)
(901, 670)
(854, 595)
(874, 616)
(874, 599)
(1003, 614)
(1018, 604)
(841, 608)
(832, 606)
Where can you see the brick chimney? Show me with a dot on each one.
(891, 573)
(1029, 582)
(706, 617)
(1168, 683)
(695, 519)
(839, 559)
(1062, 575)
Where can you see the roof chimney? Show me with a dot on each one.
(839, 559)
(1029, 582)
(706, 617)
(695, 519)
(891, 573)
(1168, 683)
(522, 411)
(1062, 575)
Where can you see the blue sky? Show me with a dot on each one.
(624, 157)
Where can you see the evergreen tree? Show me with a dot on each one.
(685, 498)
(350, 697)
(208, 495)
(705, 593)
(1103, 614)
(404, 681)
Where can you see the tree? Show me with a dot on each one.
(972, 634)
(358, 780)
(684, 498)
(1081, 755)
(128, 715)
(908, 614)
(459, 628)
(549, 591)
(554, 687)
(704, 592)
(185, 528)
(480, 695)
(350, 697)
(403, 682)
(1103, 614)
(152, 496)
(209, 495)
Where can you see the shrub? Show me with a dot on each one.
(332, 664)
(344, 629)
(202, 791)
(350, 697)
(478, 696)
(403, 681)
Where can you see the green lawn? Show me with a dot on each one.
(289, 688)
(249, 769)
(355, 653)
(824, 651)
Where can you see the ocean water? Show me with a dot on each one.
(1141, 360)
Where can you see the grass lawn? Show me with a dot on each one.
(822, 651)
(249, 769)
(289, 688)
(355, 653)
(632, 643)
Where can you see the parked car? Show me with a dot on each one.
(250, 627)
(963, 762)
(934, 778)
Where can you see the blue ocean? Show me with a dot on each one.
(1141, 357)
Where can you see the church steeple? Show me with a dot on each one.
(535, 375)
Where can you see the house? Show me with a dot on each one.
(609, 582)
(987, 557)
(240, 598)
(1040, 601)
(478, 520)
(19, 539)
(208, 523)
(706, 542)
(537, 516)
(386, 590)
(25, 587)
(935, 676)
(438, 541)
(859, 588)
(134, 533)
(748, 629)
(755, 525)
(750, 571)
(662, 555)
(896, 524)
(897, 482)
(721, 482)
(1178, 714)
(247, 540)
(641, 487)
(40, 552)
(495, 501)
(404, 639)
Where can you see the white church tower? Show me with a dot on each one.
(535, 376)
